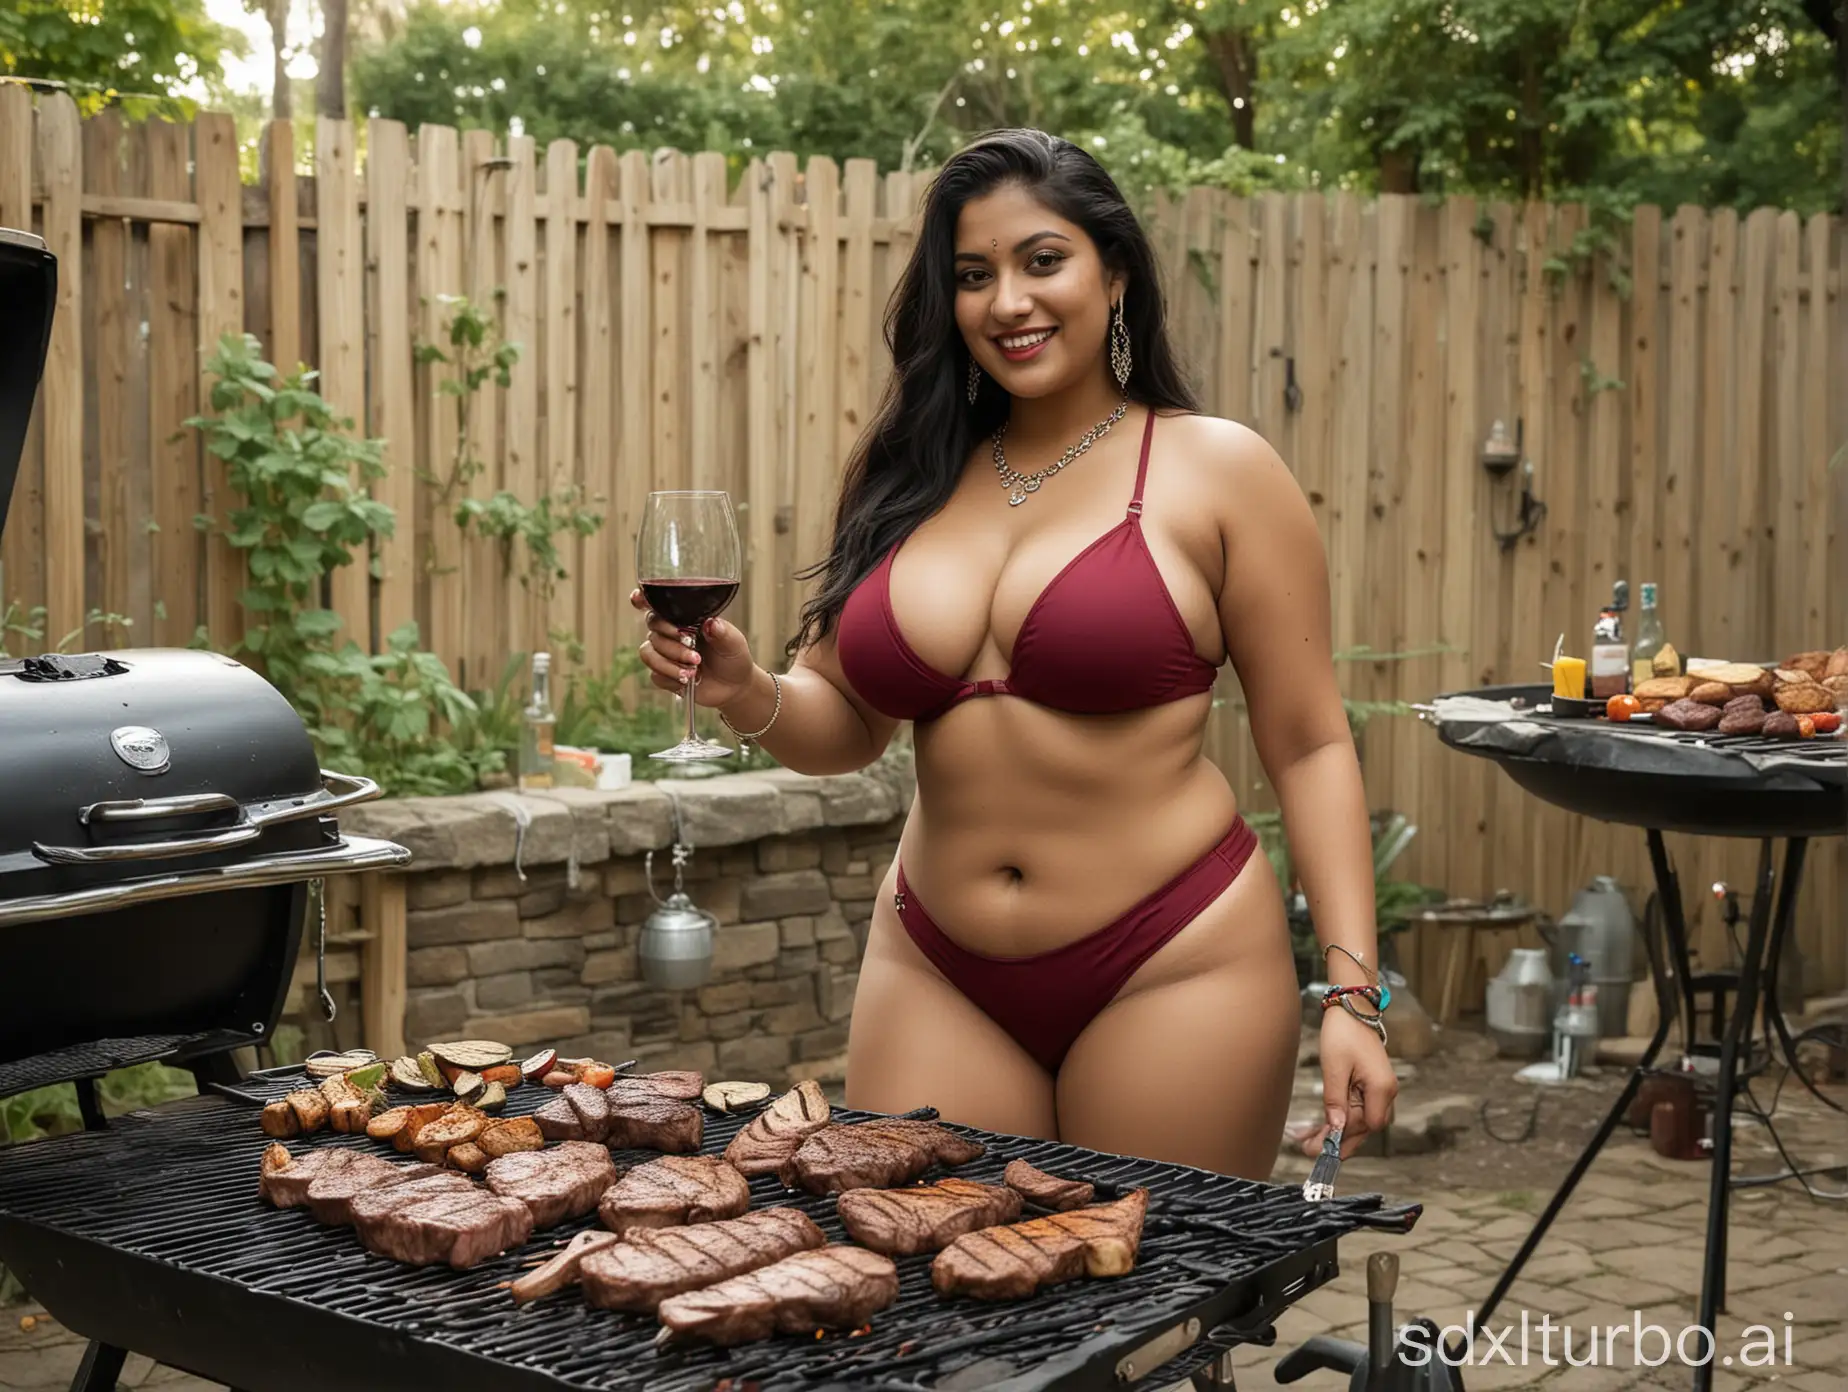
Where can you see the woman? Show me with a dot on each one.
(1076, 940)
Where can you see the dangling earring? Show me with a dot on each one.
(975, 381)
(1119, 347)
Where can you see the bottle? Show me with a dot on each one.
(1610, 657)
(536, 723)
(1650, 639)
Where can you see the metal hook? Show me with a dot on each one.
(317, 889)
(681, 852)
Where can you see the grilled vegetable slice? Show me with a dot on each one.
(328, 1065)
(539, 1065)
(420, 1116)
(280, 1121)
(468, 1086)
(514, 1134)
(409, 1075)
(472, 1054)
(508, 1075)
(559, 1078)
(426, 1063)
(492, 1098)
(734, 1097)
(597, 1075)
(469, 1157)
(370, 1078)
(387, 1124)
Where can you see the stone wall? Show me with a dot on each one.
(545, 953)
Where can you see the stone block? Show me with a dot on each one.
(754, 1056)
(560, 986)
(702, 1057)
(729, 811)
(624, 877)
(801, 801)
(633, 908)
(824, 1071)
(602, 968)
(769, 994)
(400, 820)
(853, 799)
(437, 890)
(473, 922)
(433, 1014)
(797, 961)
(788, 853)
(584, 919)
(834, 992)
(504, 992)
(602, 942)
(798, 931)
(656, 1020)
(859, 865)
(836, 855)
(435, 966)
(831, 924)
(840, 951)
(785, 894)
(723, 997)
(764, 972)
(548, 899)
(531, 1027)
(590, 827)
(608, 1045)
(612, 1006)
(639, 819)
(850, 887)
(821, 1043)
(744, 945)
(475, 830)
(504, 882)
(523, 954)
(738, 860)
(792, 1019)
(721, 898)
(722, 1027)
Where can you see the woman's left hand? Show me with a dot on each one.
(1358, 1084)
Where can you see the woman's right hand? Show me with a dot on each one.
(723, 657)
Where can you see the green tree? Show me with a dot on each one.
(114, 49)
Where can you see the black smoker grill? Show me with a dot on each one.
(152, 1236)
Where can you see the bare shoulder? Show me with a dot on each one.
(1238, 469)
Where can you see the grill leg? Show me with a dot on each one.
(101, 1366)
(1794, 851)
(1675, 947)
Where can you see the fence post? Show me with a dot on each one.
(382, 972)
(61, 394)
(340, 293)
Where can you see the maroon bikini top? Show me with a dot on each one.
(1103, 637)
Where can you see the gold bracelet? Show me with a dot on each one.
(745, 741)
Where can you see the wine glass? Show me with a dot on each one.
(687, 557)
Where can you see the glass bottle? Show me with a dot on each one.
(1650, 638)
(536, 723)
(1609, 670)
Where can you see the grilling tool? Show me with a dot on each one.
(1388, 1361)
(1321, 1182)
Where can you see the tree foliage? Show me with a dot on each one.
(104, 50)
(1709, 101)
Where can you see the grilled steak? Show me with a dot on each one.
(558, 1120)
(904, 1222)
(564, 1182)
(330, 1196)
(835, 1287)
(285, 1177)
(562, 1270)
(374, 1204)
(679, 1085)
(873, 1155)
(651, 1264)
(1011, 1263)
(675, 1128)
(1048, 1191)
(457, 1228)
(765, 1146)
(673, 1190)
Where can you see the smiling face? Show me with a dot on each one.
(1033, 295)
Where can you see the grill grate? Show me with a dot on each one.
(1816, 751)
(91, 1060)
(179, 1187)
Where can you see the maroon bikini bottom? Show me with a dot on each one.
(1045, 1001)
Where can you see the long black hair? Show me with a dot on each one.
(906, 465)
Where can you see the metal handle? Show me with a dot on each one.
(203, 843)
(148, 809)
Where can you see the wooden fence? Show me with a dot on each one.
(1680, 379)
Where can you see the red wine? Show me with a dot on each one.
(689, 603)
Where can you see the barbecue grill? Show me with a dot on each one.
(165, 819)
(1706, 785)
(152, 1236)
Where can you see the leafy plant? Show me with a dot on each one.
(292, 461)
(480, 355)
(24, 627)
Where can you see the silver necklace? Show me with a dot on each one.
(1020, 485)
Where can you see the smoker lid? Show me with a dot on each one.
(29, 290)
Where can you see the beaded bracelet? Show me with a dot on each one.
(1344, 997)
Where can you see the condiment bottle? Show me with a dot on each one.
(1610, 655)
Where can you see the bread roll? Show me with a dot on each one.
(1813, 664)
(1665, 688)
(1715, 694)
(1804, 698)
